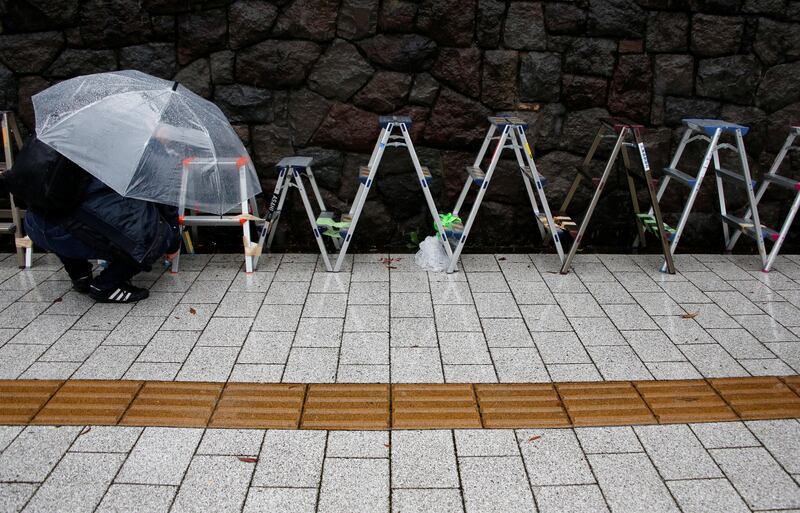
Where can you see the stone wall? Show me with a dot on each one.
(311, 76)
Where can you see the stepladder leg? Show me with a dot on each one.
(567, 262)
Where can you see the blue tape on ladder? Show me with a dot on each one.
(316, 233)
(347, 239)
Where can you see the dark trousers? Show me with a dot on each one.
(115, 273)
(75, 254)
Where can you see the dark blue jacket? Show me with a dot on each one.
(137, 231)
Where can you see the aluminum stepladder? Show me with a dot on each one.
(711, 131)
(626, 135)
(12, 217)
(291, 171)
(249, 210)
(342, 229)
(511, 136)
(772, 177)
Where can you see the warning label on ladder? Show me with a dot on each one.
(645, 163)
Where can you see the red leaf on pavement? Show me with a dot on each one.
(690, 315)
(248, 459)
(192, 311)
(85, 430)
(58, 300)
(534, 438)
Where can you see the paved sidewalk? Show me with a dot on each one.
(504, 318)
(699, 468)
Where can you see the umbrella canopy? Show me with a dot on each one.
(132, 131)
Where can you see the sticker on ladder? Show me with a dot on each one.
(644, 157)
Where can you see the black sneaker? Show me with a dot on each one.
(82, 284)
(124, 293)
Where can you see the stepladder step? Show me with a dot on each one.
(363, 174)
(649, 223)
(527, 173)
(679, 175)
(330, 227)
(749, 228)
(782, 181)
(564, 224)
(477, 174)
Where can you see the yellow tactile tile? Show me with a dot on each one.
(88, 402)
(346, 406)
(21, 400)
(262, 406)
(520, 406)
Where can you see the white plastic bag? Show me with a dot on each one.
(431, 255)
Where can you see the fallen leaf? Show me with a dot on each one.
(387, 445)
(534, 438)
(391, 267)
(501, 258)
(690, 315)
(85, 430)
(248, 459)
(58, 300)
(192, 311)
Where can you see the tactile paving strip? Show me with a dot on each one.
(759, 398)
(399, 406)
(604, 404)
(346, 407)
(684, 401)
(246, 405)
(21, 400)
(173, 404)
(434, 406)
(88, 402)
(520, 406)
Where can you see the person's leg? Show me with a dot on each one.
(79, 271)
(113, 285)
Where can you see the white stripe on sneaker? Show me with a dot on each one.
(115, 295)
(127, 296)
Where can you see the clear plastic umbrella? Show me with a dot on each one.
(133, 131)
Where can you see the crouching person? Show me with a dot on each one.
(92, 222)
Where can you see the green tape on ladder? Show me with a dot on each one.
(649, 222)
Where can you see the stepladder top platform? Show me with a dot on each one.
(709, 126)
(502, 120)
(384, 121)
(295, 162)
(617, 124)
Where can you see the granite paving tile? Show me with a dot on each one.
(208, 364)
(416, 365)
(408, 332)
(169, 347)
(134, 498)
(325, 305)
(619, 474)
(290, 459)
(354, 484)
(411, 304)
(285, 500)
(311, 365)
(570, 499)
(277, 318)
(758, 478)
(35, 452)
(423, 459)
(45, 329)
(676, 452)
(266, 347)
(427, 500)
(495, 484)
(160, 457)
(15, 358)
(707, 496)
(555, 458)
(77, 483)
(225, 331)
(214, 482)
(319, 332)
